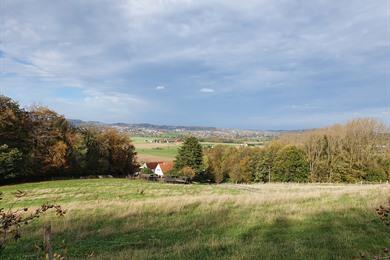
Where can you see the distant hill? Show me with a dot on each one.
(78, 122)
(224, 134)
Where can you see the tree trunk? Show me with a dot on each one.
(269, 174)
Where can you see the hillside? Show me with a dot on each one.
(152, 130)
(127, 219)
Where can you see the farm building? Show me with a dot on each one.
(159, 168)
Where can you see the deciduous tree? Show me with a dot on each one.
(291, 165)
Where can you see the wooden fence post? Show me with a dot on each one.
(47, 242)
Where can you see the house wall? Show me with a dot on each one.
(158, 171)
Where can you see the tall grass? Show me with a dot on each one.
(112, 219)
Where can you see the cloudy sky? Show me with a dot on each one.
(259, 64)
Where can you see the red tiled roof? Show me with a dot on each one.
(152, 165)
(166, 166)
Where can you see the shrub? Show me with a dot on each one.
(187, 172)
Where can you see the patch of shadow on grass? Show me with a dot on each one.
(193, 233)
(327, 235)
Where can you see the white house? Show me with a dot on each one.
(159, 168)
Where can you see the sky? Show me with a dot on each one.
(253, 64)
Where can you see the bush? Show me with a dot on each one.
(187, 172)
(146, 171)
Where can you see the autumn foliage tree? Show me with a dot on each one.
(40, 143)
(15, 138)
(356, 151)
(119, 152)
(188, 172)
(215, 163)
(15, 125)
(50, 133)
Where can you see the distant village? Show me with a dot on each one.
(172, 134)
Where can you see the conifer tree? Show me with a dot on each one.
(190, 154)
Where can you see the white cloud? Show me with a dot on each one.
(41, 36)
(207, 90)
(102, 106)
(299, 120)
(123, 49)
(303, 107)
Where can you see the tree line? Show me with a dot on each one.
(353, 152)
(39, 143)
(358, 151)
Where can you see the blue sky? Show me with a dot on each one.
(259, 64)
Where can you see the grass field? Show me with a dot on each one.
(128, 219)
(161, 153)
(147, 152)
(141, 140)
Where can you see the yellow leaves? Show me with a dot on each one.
(188, 172)
(57, 155)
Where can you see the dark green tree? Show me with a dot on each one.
(264, 161)
(94, 152)
(190, 154)
(10, 160)
(291, 165)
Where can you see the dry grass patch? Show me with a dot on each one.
(110, 219)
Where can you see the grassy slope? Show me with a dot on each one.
(111, 219)
(164, 152)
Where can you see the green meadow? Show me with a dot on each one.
(131, 219)
(166, 152)
(148, 151)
